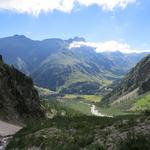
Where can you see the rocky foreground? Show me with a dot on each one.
(7, 130)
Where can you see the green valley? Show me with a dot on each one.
(74, 75)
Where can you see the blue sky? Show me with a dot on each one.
(93, 21)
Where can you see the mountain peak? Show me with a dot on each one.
(76, 39)
(79, 39)
(19, 36)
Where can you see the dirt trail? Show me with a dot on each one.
(6, 132)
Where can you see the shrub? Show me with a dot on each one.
(135, 142)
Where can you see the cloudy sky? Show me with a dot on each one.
(123, 24)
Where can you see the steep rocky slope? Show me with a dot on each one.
(18, 98)
(136, 82)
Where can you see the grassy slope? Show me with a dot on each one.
(88, 98)
(55, 108)
(129, 106)
(78, 76)
(79, 106)
(142, 103)
(44, 91)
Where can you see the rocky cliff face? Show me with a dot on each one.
(18, 98)
(138, 79)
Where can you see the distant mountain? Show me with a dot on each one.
(74, 66)
(76, 39)
(136, 82)
(18, 98)
(126, 61)
(26, 54)
(53, 65)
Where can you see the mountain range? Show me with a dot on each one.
(53, 65)
(60, 124)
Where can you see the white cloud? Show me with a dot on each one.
(107, 4)
(108, 46)
(35, 7)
